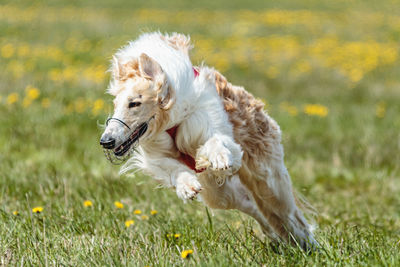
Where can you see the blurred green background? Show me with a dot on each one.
(328, 72)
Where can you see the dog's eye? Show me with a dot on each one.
(134, 104)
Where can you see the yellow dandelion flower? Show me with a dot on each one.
(7, 51)
(292, 110)
(87, 203)
(145, 217)
(137, 212)
(128, 223)
(302, 67)
(380, 110)
(97, 106)
(12, 98)
(316, 110)
(45, 102)
(37, 209)
(186, 253)
(177, 236)
(32, 92)
(118, 205)
(153, 212)
(15, 212)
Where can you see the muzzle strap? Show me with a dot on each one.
(120, 121)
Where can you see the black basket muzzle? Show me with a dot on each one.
(123, 151)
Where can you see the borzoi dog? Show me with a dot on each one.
(200, 135)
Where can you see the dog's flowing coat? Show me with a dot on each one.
(223, 127)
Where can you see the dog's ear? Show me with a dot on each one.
(166, 96)
(149, 68)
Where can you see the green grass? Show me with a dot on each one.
(345, 164)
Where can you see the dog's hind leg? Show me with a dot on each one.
(233, 195)
(276, 202)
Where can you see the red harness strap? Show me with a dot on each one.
(185, 158)
(196, 72)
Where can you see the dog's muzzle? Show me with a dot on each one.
(118, 155)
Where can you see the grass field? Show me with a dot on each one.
(328, 70)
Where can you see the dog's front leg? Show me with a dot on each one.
(187, 186)
(172, 173)
(219, 153)
(184, 180)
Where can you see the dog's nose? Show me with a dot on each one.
(107, 141)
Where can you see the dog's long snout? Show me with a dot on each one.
(107, 141)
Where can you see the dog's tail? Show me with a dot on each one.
(308, 209)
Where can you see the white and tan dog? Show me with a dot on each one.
(201, 135)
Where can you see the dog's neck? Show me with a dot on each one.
(185, 99)
(185, 158)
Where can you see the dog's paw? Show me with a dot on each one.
(215, 156)
(221, 159)
(187, 186)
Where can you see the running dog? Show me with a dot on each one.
(201, 135)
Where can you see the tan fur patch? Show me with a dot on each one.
(257, 133)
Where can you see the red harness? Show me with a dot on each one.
(185, 158)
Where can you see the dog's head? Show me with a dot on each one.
(142, 98)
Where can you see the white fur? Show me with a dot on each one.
(198, 111)
(202, 117)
